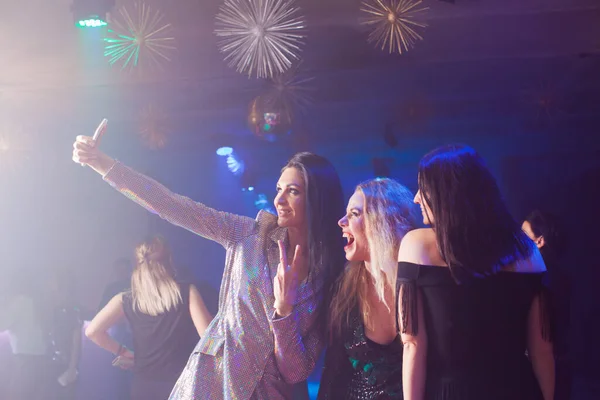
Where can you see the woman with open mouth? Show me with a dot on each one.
(367, 335)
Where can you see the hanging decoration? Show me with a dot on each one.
(154, 127)
(138, 36)
(267, 123)
(395, 23)
(260, 37)
(289, 94)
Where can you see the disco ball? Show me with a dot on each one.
(267, 121)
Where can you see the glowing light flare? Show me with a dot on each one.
(224, 151)
(91, 23)
(395, 23)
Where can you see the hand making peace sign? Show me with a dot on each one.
(285, 284)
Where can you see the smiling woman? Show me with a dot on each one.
(285, 323)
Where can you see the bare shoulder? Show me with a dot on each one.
(118, 298)
(415, 246)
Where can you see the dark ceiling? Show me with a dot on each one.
(480, 59)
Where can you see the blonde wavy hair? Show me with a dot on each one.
(389, 213)
(153, 286)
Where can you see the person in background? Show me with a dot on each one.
(22, 315)
(548, 233)
(364, 357)
(120, 281)
(166, 317)
(65, 334)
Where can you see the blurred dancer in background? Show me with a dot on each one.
(166, 316)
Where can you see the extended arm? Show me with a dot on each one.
(413, 330)
(414, 358)
(222, 227)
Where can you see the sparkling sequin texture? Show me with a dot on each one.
(357, 368)
(246, 353)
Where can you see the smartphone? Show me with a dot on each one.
(100, 130)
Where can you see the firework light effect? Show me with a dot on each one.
(138, 36)
(289, 93)
(260, 37)
(395, 23)
(154, 127)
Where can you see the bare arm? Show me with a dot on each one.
(413, 250)
(414, 358)
(97, 330)
(540, 351)
(200, 315)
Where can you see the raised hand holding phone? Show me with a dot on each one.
(86, 152)
(100, 130)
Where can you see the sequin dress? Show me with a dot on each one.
(246, 353)
(356, 368)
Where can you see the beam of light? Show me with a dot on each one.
(138, 35)
(395, 23)
(260, 37)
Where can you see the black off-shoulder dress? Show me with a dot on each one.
(477, 332)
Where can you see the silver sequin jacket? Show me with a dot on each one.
(246, 353)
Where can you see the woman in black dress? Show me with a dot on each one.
(166, 316)
(479, 280)
(364, 356)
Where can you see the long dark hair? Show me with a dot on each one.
(476, 234)
(325, 204)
